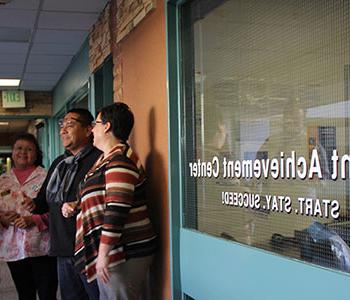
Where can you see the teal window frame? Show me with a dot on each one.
(43, 140)
(206, 267)
(174, 147)
(101, 83)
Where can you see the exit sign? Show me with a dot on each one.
(13, 99)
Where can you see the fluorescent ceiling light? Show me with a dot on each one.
(4, 123)
(9, 82)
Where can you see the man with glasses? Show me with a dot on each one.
(60, 186)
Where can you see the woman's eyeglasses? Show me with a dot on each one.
(94, 123)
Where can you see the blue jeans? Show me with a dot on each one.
(73, 284)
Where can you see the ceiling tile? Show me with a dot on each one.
(42, 76)
(49, 59)
(14, 68)
(23, 4)
(64, 20)
(17, 18)
(63, 49)
(38, 82)
(10, 75)
(13, 47)
(76, 5)
(63, 26)
(37, 87)
(76, 37)
(21, 35)
(45, 68)
(9, 59)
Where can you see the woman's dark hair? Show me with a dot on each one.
(121, 119)
(32, 139)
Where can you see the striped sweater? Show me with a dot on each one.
(113, 211)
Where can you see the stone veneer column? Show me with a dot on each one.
(116, 21)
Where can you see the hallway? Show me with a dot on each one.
(88, 54)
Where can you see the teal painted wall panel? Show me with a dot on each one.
(174, 149)
(75, 77)
(212, 268)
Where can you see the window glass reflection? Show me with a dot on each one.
(267, 84)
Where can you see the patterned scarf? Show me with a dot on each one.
(63, 176)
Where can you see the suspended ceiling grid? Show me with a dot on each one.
(39, 38)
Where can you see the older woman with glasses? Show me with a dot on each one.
(115, 240)
(24, 237)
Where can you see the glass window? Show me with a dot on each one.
(103, 78)
(266, 125)
(82, 103)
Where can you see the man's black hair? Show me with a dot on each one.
(85, 117)
(121, 119)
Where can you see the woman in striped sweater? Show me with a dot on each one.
(115, 241)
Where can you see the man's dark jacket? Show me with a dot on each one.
(62, 230)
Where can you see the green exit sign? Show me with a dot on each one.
(13, 99)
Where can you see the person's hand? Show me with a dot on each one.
(7, 218)
(68, 209)
(28, 203)
(24, 222)
(102, 267)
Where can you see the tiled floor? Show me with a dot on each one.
(7, 288)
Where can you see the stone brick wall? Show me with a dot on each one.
(117, 20)
(37, 104)
(130, 13)
(100, 40)
(117, 74)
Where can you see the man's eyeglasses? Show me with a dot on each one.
(93, 123)
(68, 123)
